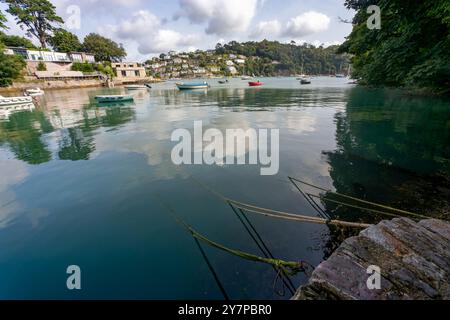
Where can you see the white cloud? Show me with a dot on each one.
(139, 26)
(307, 23)
(145, 29)
(266, 29)
(223, 17)
(165, 40)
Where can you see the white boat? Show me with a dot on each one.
(137, 87)
(34, 92)
(305, 80)
(11, 101)
(246, 78)
(114, 98)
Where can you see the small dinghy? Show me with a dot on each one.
(113, 98)
(255, 83)
(137, 87)
(223, 81)
(11, 101)
(35, 92)
(193, 86)
(305, 81)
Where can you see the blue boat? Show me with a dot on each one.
(114, 98)
(193, 86)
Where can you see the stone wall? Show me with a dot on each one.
(51, 66)
(54, 84)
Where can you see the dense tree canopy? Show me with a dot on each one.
(410, 50)
(280, 58)
(103, 48)
(16, 41)
(11, 67)
(65, 41)
(37, 17)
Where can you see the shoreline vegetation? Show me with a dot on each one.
(409, 51)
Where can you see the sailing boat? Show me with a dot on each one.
(304, 79)
(302, 75)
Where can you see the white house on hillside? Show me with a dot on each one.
(50, 56)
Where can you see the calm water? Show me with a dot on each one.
(88, 185)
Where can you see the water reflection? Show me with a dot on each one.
(391, 149)
(72, 119)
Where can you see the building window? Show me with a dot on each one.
(137, 73)
(124, 73)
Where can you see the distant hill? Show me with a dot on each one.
(265, 58)
(283, 59)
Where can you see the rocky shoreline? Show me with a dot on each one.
(413, 260)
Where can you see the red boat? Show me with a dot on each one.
(255, 84)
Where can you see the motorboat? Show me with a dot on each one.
(34, 92)
(193, 86)
(113, 98)
(255, 83)
(305, 81)
(137, 87)
(11, 101)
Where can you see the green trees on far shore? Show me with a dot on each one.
(103, 48)
(37, 17)
(412, 48)
(65, 41)
(276, 58)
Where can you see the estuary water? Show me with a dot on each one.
(95, 186)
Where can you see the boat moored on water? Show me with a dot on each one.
(138, 87)
(11, 101)
(114, 98)
(246, 78)
(35, 92)
(192, 86)
(305, 81)
(223, 81)
(255, 83)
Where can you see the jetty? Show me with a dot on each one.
(413, 260)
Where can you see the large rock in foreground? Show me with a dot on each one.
(414, 259)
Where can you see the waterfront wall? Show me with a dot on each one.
(54, 84)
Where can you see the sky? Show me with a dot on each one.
(147, 28)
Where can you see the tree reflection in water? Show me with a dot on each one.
(27, 134)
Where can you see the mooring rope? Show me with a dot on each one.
(295, 217)
(286, 281)
(289, 267)
(294, 180)
(282, 215)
